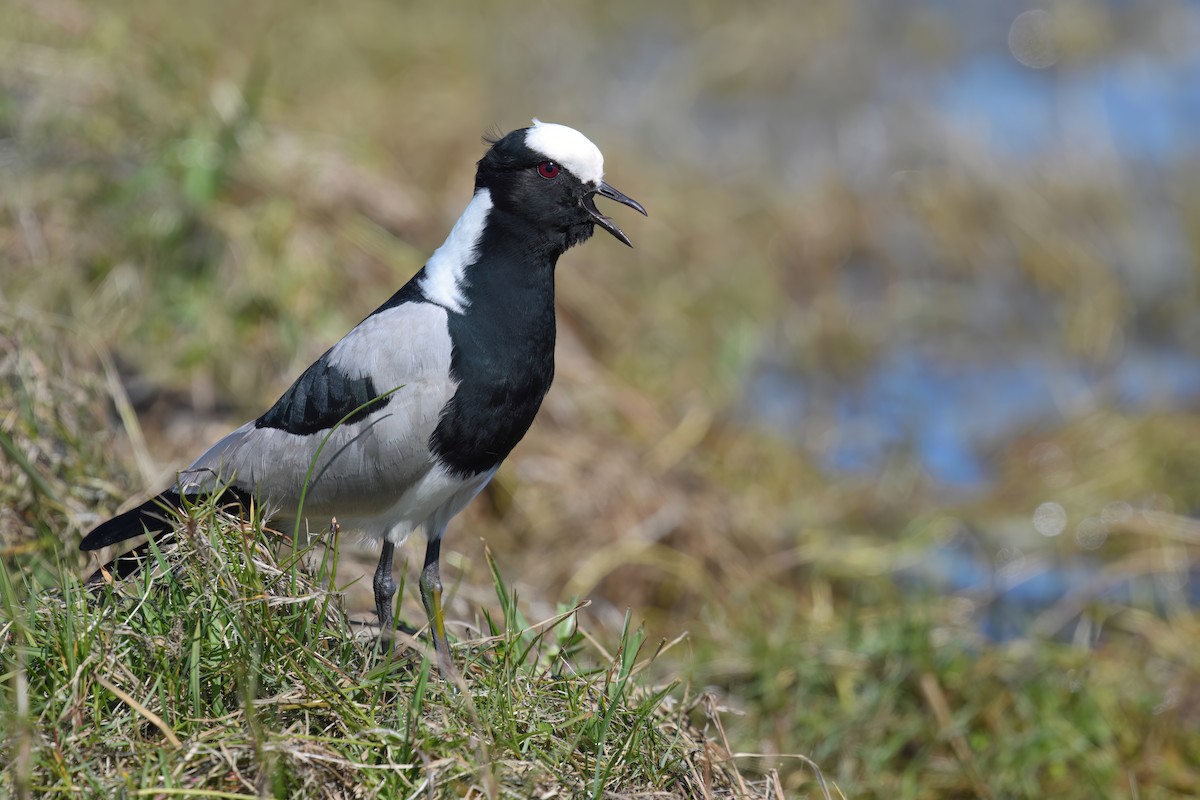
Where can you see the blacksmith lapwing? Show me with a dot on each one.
(419, 404)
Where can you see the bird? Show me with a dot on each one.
(401, 423)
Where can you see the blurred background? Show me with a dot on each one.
(892, 408)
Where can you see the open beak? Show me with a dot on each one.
(604, 190)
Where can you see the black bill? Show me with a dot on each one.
(589, 202)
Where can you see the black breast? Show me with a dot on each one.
(502, 359)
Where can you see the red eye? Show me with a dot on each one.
(548, 170)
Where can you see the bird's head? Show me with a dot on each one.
(550, 175)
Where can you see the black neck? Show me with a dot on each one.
(516, 260)
(503, 346)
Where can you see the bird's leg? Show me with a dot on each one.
(431, 596)
(385, 589)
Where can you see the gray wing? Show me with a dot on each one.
(366, 462)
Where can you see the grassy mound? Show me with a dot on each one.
(220, 671)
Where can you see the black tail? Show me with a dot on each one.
(152, 517)
(155, 518)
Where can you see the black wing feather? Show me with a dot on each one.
(320, 399)
(324, 394)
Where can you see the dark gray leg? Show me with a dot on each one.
(385, 590)
(431, 596)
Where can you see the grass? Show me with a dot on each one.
(898, 690)
(216, 205)
(218, 672)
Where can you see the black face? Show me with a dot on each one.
(528, 185)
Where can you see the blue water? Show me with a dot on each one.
(871, 99)
(1052, 598)
(948, 395)
(1137, 99)
(1131, 111)
(1135, 107)
(950, 415)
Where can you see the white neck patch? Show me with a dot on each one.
(568, 147)
(445, 271)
